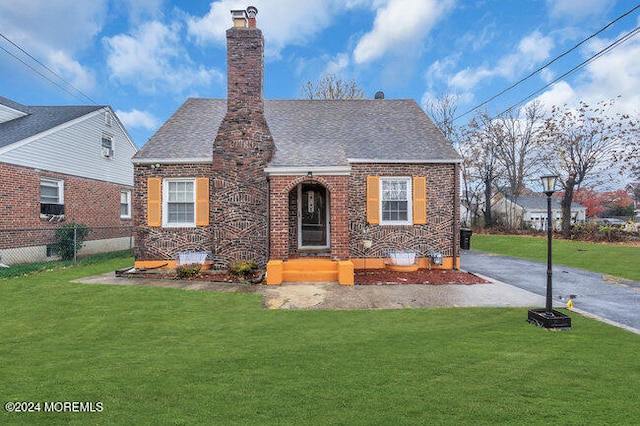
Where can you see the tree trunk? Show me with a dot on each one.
(488, 218)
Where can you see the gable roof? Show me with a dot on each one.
(37, 120)
(310, 133)
(540, 203)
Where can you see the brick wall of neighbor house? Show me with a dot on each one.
(436, 234)
(242, 149)
(283, 243)
(90, 202)
(156, 242)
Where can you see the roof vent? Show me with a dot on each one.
(251, 14)
(379, 95)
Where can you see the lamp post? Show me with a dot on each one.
(547, 317)
(549, 187)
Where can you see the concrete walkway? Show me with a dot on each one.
(612, 300)
(331, 295)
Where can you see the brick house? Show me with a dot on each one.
(61, 164)
(310, 188)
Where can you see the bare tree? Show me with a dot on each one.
(332, 86)
(480, 137)
(518, 138)
(581, 141)
(442, 111)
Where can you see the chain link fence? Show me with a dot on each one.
(67, 242)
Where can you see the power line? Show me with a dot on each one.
(65, 89)
(47, 68)
(548, 63)
(580, 65)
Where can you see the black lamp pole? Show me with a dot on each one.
(549, 183)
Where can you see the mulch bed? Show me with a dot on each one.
(422, 276)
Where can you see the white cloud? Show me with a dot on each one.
(80, 77)
(282, 22)
(153, 59)
(531, 50)
(54, 31)
(577, 10)
(138, 119)
(398, 24)
(337, 64)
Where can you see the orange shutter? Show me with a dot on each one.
(154, 201)
(373, 199)
(202, 201)
(419, 200)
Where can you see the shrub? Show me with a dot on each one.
(242, 268)
(65, 244)
(188, 271)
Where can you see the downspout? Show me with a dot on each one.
(268, 218)
(456, 215)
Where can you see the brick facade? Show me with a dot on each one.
(437, 234)
(283, 204)
(90, 202)
(158, 243)
(242, 149)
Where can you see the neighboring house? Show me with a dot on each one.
(531, 211)
(61, 164)
(310, 188)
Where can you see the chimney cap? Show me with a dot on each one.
(252, 11)
(239, 18)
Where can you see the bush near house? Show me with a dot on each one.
(69, 238)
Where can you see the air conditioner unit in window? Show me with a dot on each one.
(107, 152)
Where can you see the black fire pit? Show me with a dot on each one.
(550, 319)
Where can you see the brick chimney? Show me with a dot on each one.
(242, 149)
(245, 62)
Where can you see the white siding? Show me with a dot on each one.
(8, 114)
(76, 150)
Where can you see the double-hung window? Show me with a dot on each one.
(107, 145)
(51, 196)
(179, 208)
(395, 201)
(125, 204)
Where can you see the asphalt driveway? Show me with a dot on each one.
(608, 298)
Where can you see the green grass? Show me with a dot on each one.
(165, 356)
(617, 260)
(31, 268)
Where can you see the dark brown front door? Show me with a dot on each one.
(313, 215)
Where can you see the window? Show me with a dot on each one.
(51, 196)
(179, 202)
(107, 145)
(125, 204)
(395, 199)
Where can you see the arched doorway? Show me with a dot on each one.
(313, 216)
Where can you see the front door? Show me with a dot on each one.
(313, 213)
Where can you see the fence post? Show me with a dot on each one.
(75, 243)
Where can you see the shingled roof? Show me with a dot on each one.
(38, 119)
(310, 133)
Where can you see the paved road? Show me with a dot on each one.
(611, 299)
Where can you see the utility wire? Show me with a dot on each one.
(548, 63)
(75, 95)
(47, 68)
(580, 65)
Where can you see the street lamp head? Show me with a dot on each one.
(549, 184)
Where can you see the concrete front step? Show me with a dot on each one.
(309, 270)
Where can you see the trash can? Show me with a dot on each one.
(465, 238)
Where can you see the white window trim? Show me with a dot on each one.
(111, 150)
(165, 204)
(409, 220)
(60, 184)
(128, 214)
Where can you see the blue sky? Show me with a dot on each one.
(146, 57)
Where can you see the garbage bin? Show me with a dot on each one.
(465, 238)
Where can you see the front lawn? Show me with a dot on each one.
(165, 356)
(611, 259)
